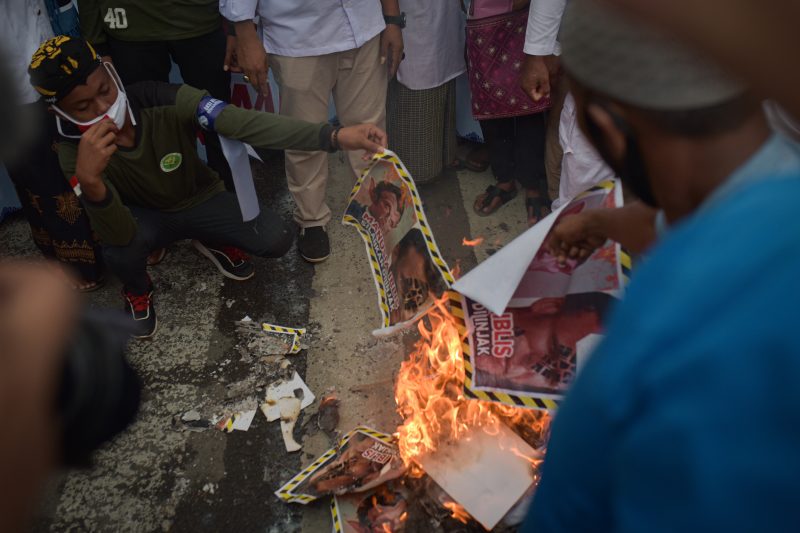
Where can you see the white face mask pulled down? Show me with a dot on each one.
(117, 112)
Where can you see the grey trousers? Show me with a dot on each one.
(216, 222)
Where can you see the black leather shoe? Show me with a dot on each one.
(313, 244)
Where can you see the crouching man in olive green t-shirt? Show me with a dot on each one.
(130, 153)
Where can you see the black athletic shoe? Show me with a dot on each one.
(142, 311)
(231, 262)
(313, 244)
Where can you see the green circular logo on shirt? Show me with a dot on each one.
(171, 161)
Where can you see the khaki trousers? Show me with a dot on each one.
(358, 83)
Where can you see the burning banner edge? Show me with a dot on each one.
(285, 492)
(540, 402)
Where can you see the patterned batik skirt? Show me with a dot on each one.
(421, 126)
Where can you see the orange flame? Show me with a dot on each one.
(473, 242)
(457, 512)
(430, 399)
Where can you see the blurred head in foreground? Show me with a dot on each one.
(656, 111)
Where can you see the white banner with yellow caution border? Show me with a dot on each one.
(408, 269)
(363, 460)
(525, 347)
(294, 334)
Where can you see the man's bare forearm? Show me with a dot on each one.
(245, 28)
(390, 7)
(633, 225)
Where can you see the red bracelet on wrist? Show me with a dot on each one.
(75, 184)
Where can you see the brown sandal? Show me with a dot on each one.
(487, 199)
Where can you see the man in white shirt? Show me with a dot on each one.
(348, 49)
(572, 163)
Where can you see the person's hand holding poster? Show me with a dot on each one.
(530, 353)
(407, 267)
(546, 276)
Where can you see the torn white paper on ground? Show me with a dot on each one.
(243, 420)
(289, 409)
(486, 474)
(286, 389)
(239, 421)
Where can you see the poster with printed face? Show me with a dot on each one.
(533, 350)
(529, 354)
(600, 272)
(408, 269)
(363, 460)
(379, 510)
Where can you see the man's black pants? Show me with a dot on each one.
(517, 149)
(200, 60)
(215, 222)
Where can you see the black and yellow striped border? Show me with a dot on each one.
(336, 516)
(626, 263)
(433, 249)
(297, 332)
(606, 185)
(383, 302)
(530, 402)
(457, 309)
(286, 492)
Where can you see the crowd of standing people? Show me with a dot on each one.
(390, 63)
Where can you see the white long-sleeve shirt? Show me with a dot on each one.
(544, 21)
(302, 28)
(24, 26)
(434, 43)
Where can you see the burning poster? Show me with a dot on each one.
(525, 340)
(364, 459)
(408, 269)
(382, 509)
(530, 355)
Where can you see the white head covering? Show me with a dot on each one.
(630, 62)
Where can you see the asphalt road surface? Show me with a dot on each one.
(154, 477)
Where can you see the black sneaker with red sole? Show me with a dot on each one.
(141, 309)
(232, 262)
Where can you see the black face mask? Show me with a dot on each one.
(632, 171)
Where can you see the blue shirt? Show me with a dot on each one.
(687, 417)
